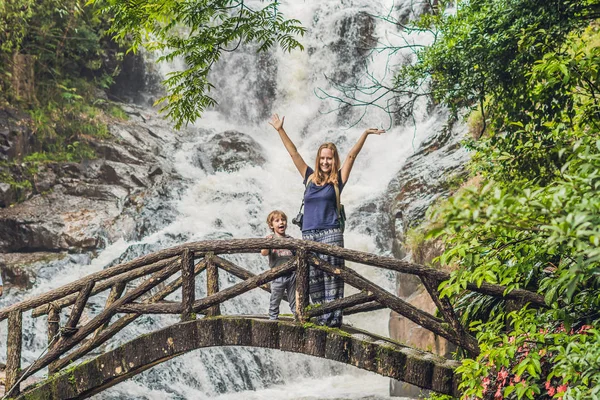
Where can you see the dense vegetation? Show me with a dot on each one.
(529, 69)
(54, 55)
(56, 62)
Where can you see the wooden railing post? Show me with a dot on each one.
(53, 329)
(84, 294)
(301, 286)
(13, 354)
(188, 285)
(115, 294)
(212, 285)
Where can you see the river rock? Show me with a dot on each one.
(354, 37)
(229, 151)
(15, 133)
(21, 269)
(137, 81)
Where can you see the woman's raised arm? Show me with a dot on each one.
(349, 162)
(289, 145)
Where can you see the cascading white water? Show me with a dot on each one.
(234, 204)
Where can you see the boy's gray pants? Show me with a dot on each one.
(279, 287)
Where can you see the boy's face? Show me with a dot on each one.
(279, 225)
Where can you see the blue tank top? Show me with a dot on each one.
(320, 205)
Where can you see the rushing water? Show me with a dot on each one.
(220, 204)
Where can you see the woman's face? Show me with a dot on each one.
(326, 160)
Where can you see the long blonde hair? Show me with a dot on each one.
(319, 178)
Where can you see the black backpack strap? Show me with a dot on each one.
(308, 182)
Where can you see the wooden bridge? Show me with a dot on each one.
(72, 375)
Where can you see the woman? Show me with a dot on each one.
(320, 221)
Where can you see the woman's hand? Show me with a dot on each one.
(375, 131)
(276, 123)
(349, 162)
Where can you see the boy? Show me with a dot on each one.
(277, 222)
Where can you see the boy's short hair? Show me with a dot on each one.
(273, 214)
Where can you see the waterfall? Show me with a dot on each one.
(228, 191)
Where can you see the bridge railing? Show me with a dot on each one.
(170, 270)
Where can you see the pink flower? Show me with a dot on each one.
(498, 394)
(485, 383)
(563, 388)
(517, 378)
(551, 391)
(503, 374)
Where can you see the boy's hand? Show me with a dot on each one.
(265, 252)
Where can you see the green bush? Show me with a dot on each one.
(533, 222)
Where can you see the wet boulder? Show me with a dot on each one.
(355, 36)
(229, 151)
(16, 136)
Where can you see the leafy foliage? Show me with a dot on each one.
(66, 39)
(13, 14)
(198, 32)
(493, 51)
(533, 220)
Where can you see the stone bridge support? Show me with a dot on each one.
(348, 346)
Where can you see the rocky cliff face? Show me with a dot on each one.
(82, 207)
(421, 181)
